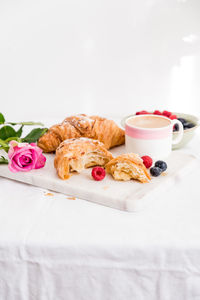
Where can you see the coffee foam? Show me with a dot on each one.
(148, 122)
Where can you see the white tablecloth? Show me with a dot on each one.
(55, 248)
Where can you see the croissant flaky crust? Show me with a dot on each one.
(78, 154)
(94, 127)
(128, 166)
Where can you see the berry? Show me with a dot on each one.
(98, 173)
(142, 112)
(172, 117)
(147, 161)
(167, 113)
(185, 125)
(155, 171)
(188, 125)
(157, 112)
(176, 127)
(161, 165)
(182, 120)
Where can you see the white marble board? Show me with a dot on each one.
(127, 196)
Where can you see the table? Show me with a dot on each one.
(55, 248)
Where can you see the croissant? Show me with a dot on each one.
(94, 127)
(128, 166)
(78, 154)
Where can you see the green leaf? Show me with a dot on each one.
(3, 160)
(6, 149)
(19, 131)
(3, 143)
(6, 132)
(34, 135)
(2, 119)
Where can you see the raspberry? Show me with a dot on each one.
(167, 113)
(172, 117)
(98, 173)
(147, 161)
(142, 112)
(157, 112)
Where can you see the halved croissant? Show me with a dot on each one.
(104, 130)
(128, 166)
(78, 154)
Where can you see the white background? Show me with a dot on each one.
(110, 57)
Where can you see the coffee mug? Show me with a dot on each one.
(151, 135)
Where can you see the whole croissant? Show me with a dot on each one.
(95, 127)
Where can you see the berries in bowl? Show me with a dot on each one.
(190, 124)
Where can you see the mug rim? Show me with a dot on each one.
(146, 128)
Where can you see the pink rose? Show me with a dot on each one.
(25, 157)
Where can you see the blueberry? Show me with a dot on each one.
(188, 125)
(185, 125)
(161, 164)
(176, 127)
(182, 120)
(155, 171)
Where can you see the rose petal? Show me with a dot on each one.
(40, 162)
(12, 167)
(17, 150)
(19, 154)
(29, 155)
(12, 146)
(13, 143)
(25, 157)
(38, 150)
(15, 163)
(34, 156)
(17, 160)
(25, 160)
(27, 168)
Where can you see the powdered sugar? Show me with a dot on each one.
(81, 140)
(77, 120)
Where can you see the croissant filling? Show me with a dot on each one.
(122, 171)
(88, 160)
